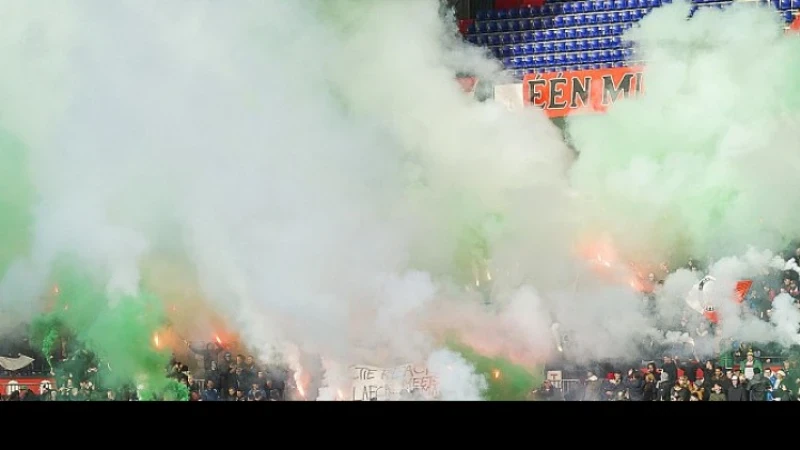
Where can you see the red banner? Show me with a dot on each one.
(35, 384)
(563, 93)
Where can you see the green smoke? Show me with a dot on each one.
(120, 337)
(705, 161)
(513, 383)
(16, 197)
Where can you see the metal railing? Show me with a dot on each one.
(34, 386)
(567, 385)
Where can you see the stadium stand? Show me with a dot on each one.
(556, 36)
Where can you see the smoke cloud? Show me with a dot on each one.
(701, 164)
(316, 177)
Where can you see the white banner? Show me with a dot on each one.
(510, 95)
(398, 383)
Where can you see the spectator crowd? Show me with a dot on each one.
(736, 371)
(219, 377)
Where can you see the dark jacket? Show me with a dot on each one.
(635, 389)
(737, 394)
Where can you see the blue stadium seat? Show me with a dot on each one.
(558, 22)
(569, 21)
(547, 47)
(580, 46)
(785, 4)
(558, 47)
(538, 47)
(795, 4)
(538, 36)
(580, 33)
(590, 19)
(528, 62)
(558, 60)
(500, 14)
(528, 36)
(569, 46)
(548, 35)
(591, 32)
(625, 16)
(568, 8)
(548, 60)
(653, 3)
(558, 34)
(616, 42)
(557, 8)
(570, 58)
(513, 13)
(619, 4)
(529, 49)
(590, 44)
(492, 39)
(788, 16)
(619, 64)
(569, 33)
(482, 15)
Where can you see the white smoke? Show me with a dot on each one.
(786, 319)
(315, 164)
(456, 377)
(314, 170)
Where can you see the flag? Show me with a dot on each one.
(742, 287)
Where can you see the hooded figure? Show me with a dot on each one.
(593, 390)
(664, 387)
(737, 392)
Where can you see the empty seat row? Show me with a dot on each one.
(575, 20)
(597, 56)
(561, 47)
(783, 5)
(552, 9)
(549, 35)
(520, 73)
